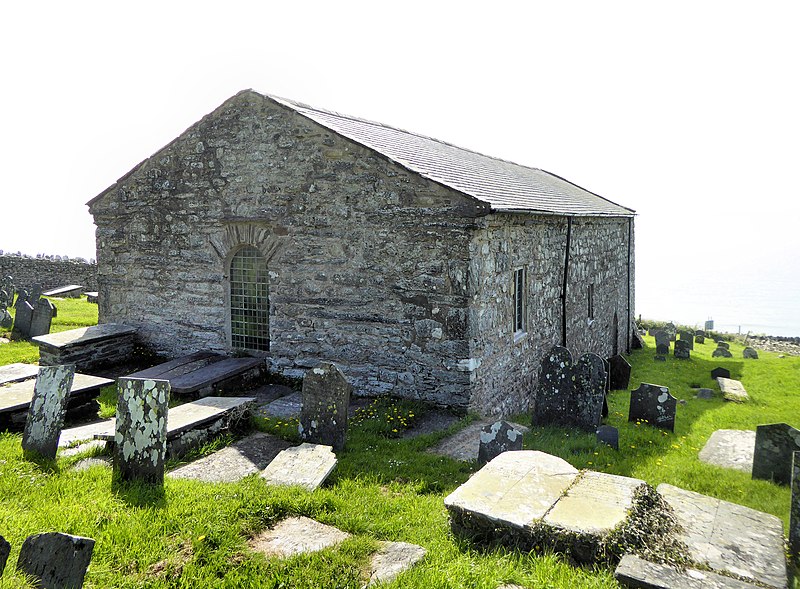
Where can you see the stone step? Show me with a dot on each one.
(87, 347)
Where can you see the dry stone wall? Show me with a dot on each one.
(50, 273)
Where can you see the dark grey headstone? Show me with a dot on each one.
(637, 343)
(608, 434)
(326, 397)
(35, 294)
(56, 560)
(682, 349)
(654, 405)
(794, 512)
(687, 336)
(719, 371)
(723, 344)
(6, 320)
(721, 352)
(22, 319)
(662, 342)
(619, 373)
(497, 438)
(570, 394)
(699, 332)
(705, 393)
(140, 439)
(47, 410)
(42, 317)
(660, 358)
(750, 353)
(5, 550)
(772, 457)
(699, 339)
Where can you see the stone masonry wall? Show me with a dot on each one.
(504, 367)
(49, 273)
(368, 263)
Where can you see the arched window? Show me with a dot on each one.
(249, 300)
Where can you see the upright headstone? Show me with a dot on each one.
(750, 353)
(609, 435)
(699, 339)
(35, 294)
(700, 333)
(6, 320)
(637, 343)
(687, 336)
(47, 410)
(682, 349)
(22, 319)
(794, 512)
(140, 439)
(721, 352)
(662, 342)
(42, 317)
(619, 373)
(5, 550)
(326, 397)
(497, 438)
(772, 457)
(653, 404)
(723, 344)
(719, 371)
(671, 330)
(56, 560)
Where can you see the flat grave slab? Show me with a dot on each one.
(244, 457)
(306, 465)
(287, 407)
(732, 390)
(393, 558)
(730, 448)
(17, 371)
(728, 537)
(465, 444)
(84, 335)
(296, 535)
(211, 378)
(87, 347)
(179, 366)
(71, 435)
(633, 571)
(68, 291)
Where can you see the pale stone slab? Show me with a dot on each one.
(17, 396)
(84, 335)
(47, 410)
(297, 535)
(70, 290)
(732, 390)
(730, 448)
(515, 489)
(728, 537)
(638, 573)
(306, 465)
(87, 432)
(465, 444)
(392, 559)
(242, 458)
(287, 407)
(17, 371)
(595, 504)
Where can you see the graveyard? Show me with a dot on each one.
(386, 484)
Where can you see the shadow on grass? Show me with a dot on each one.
(139, 493)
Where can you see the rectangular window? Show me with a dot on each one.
(591, 301)
(520, 306)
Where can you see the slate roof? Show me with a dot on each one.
(504, 185)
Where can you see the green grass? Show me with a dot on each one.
(385, 487)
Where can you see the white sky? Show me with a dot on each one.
(688, 112)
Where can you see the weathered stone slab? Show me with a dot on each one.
(71, 435)
(794, 512)
(750, 353)
(653, 404)
(721, 352)
(671, 330)
(56, 560)
(178, 366)
(635, 572)
(720, 371)
(140, 438)
(704, 393)
(219, 376)
(682, 349)
(17, 371)
(287, 407)
(242, 458)
(730, 448)
(497, 438)
(5, 550)
(464, 445)
(47, 410)
(392, 559)
(84, 335)
(306, 465)
(732, 390)
(297, 535)
(68, 291)
(729, 538)
(619, 373)
(326, 398)
(87, 347)
(772, 457)
(609, 435)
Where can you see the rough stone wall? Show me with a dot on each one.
(49, 273)
(368, 263)
(504, 367)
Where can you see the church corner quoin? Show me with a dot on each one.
(421, 270)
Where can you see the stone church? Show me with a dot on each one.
(423, 270)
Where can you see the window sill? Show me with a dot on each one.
(519, 336)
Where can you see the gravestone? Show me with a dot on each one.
(671, 330)
(700, 333)
(22, 319)
(391, 559)
(772, 457)
(326, 397)
(619, 373)
(608, 434)
(705, 393)
(497, 438)
(750, 353)
(47, 410)
(306, 465)
(56, 560)
(653, 404)
(682, 349)
(794, 512)
(662, 342)
(6, 320)
(35, 294)
(687, 336)
(723, 344)
(5, 550)
(637, 343)
(42, 317)
(140, 437)
(699, 339)
(570, 393)
(719, 371)
(660, 358)
(721, 352)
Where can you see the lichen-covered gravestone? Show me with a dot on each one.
(699, 339)
(619, 373)
(662, 342)
(719, 371)
(326, 397)
(671, 330)
(140, 439)
(653, 404)
(794, 516)
(497, 438)
(47, 410)
(687, 336)
(570, 394)
(42, 317)
(750, 353)
(682, 349)
(56, 560)
(772, 457)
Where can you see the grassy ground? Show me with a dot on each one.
(194, 534)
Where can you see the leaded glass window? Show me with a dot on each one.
(249, 300)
